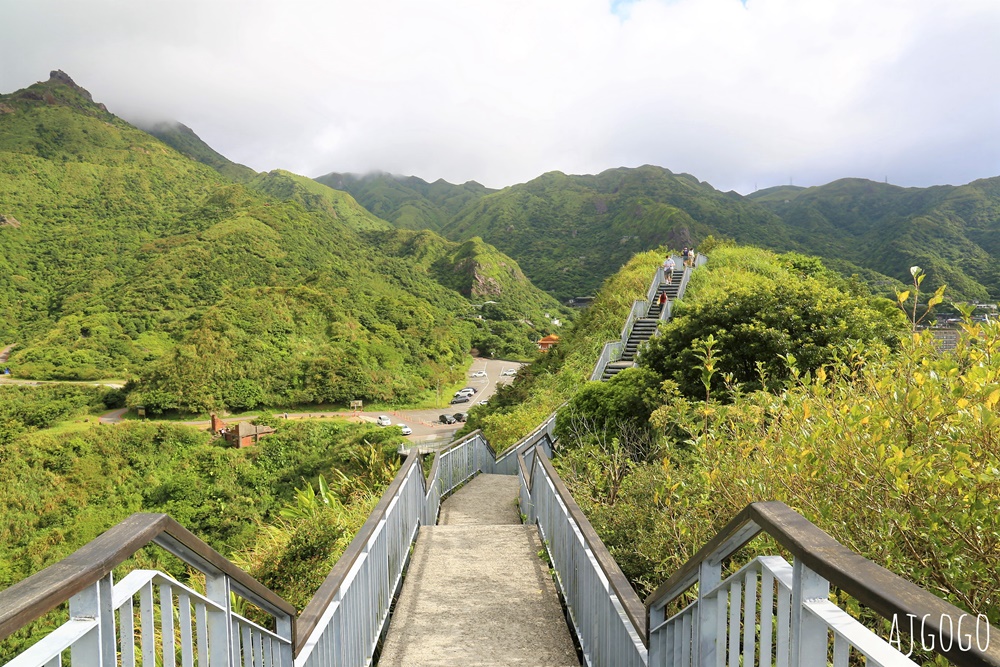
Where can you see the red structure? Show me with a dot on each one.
(547, 342)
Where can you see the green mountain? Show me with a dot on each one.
(408, 202)
(572, 232)
(182, 138)
(120, 256)
(953, 233)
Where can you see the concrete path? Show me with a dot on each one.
(476, 592)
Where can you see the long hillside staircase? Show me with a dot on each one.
(487, 560)
(645, 327)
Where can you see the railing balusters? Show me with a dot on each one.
(167, 625)
(85, 605)
(735, 600)
(146, 626)
(766, 616)
(783, 644)
(749, 616)
(201, 625)
(126, 623)
(184, 620)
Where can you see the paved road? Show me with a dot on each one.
(426, 424)
(6, 379)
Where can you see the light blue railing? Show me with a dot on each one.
(607, 616)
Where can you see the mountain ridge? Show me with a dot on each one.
(132, 259)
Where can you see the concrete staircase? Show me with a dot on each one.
(644, 327)
(477, 592)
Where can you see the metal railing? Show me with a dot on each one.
(611, 352)
(639, 309)
(607, 616)
(105, 616)
(343, 622)
(452, 467)
(345, 619)
(654, 286)
(507, 463)
(782, 612)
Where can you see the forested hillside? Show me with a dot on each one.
(571, 232)
(121, 257)
(953, 233)
(777, 379)
(407, 201)
(257, 506)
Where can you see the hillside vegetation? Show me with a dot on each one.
(407, 202)
(779, 380)
(121, 257)
(569, 233)
(953, 233)
(245, 503)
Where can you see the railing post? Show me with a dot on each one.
(220, 643)
(709, 576)
(283, 628)
(94, 602)
(809, 633)
(654, 616)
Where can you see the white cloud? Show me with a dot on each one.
(503, 90)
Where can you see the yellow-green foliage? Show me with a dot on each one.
(897, 455)
(517, 410)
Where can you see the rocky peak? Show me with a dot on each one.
(59, 76)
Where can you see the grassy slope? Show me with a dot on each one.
(544, 386)
(571, 232)
(407, 202)
(127, 253)
(951, 232)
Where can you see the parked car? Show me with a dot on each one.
(446, 419)
(383, 421)
(478, 374)
(460, 399)
(509, 372)
(468, 390)
(461, 416)
(406, 429)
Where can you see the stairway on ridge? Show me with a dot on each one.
(644, 327)
(476, 591)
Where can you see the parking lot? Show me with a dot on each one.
(426, 424)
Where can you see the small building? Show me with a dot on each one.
(245, 434)
(546, 343)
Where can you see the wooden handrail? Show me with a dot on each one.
(619, 582)
(872, 585)
(44, 591)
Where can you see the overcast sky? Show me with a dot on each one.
(501, 91)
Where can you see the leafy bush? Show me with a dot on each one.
(762, 311)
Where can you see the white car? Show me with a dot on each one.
(383, 421)
(509, 372)
(406, 429)
(478, 374)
